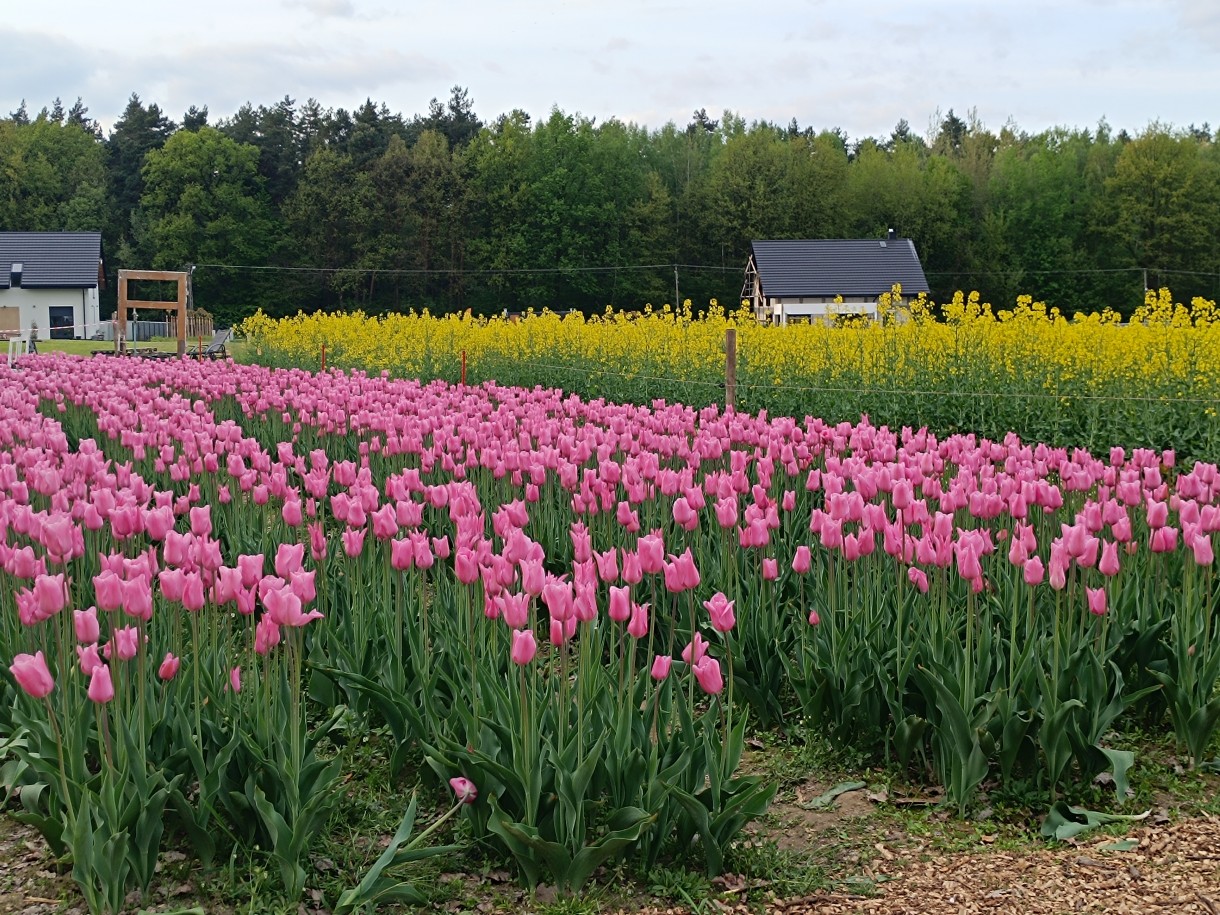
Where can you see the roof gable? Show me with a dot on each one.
(51, 260)
(837, 266)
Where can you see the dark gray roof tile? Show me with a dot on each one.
(838, 266)
(51, 260)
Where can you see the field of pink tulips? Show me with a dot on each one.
(573, 613)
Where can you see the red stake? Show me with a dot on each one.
(324, 357)
(463, 368)
(200, 350)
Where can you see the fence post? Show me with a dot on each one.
(199, 351)
(463, 368)
(730, 368)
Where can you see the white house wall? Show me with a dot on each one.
(35, 308)
(783, 310)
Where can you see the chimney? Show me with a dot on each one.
(891, 235)
(15, 274)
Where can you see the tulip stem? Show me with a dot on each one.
(431, 829)
(59, 747)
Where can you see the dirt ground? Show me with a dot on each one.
(1163, 866)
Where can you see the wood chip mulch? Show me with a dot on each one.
(1174, 869)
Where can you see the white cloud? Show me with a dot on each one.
(825, 62)
(342, 9)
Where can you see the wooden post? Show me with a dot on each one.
(323, 357)
(182, 316)
(178, 304)
(463, 368)
(200, 351)
(730, 368)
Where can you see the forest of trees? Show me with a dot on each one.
(292, 206)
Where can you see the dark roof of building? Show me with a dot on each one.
(51, 260)
(837, 266)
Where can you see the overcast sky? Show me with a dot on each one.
(860, 66)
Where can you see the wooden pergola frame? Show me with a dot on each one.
(169, 276)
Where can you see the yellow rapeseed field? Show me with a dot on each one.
(1092, 379)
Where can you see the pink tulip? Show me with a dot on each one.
(226, 586)
(524, 647)
(694, 650)
(726, 512)
(193, 597)
(317, 542)
(235, 679)
(1109, 564)
(607, 565)
(465, 566)
(1034, 571)
(633, 573)
(1164, 540)
(707, 672)
(627, 518)
(685, 516)
(137, 598)
(158, 523)
(919, 578)
(88, 657)
(638, 627)
(620, 604)
(251, 569)
(423, 557)
(267, 634)
(303, 585)
(660, 666)
(1201, 547)
(1057, 574)
(385, 522)
(721, 610)
(101, 686)
(1097, 600)
(126, 642)
(687, 570)
(169, 667)
(86, 624)
(770, 569)
(289, 557)
(801, 560)
(516, 610)
(464, 789)
(172, 581)
(50, 595)
(402, 555)
(31, 673)
(353, 542)
(291, 513)
(814, 619)
(533, 579)
(674, 581)
(582, 542)
(441, 547)
(201, 520)
(652, 553)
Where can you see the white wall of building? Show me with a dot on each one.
(822, 309)
(35, 308)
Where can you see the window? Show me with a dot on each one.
(15, 273)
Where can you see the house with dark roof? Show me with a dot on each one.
(820, 278)
(50, 281)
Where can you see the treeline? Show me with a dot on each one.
(293, 206)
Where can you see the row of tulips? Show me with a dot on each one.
(575, 605)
